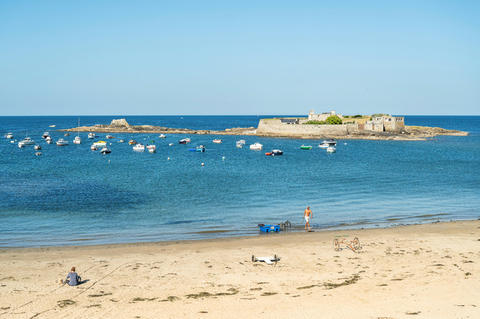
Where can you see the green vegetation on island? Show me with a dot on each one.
(331, 120)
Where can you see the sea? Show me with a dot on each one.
(72, 195)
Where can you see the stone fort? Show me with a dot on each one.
(298, 126)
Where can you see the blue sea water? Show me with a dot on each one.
(74, 196)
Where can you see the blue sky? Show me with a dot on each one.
(243, 57)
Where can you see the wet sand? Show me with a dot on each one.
(418, 271)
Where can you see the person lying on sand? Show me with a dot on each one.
(73, 278)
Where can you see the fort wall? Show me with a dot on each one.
(276, 127)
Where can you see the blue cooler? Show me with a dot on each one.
(270, 228)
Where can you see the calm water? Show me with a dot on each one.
(72, 196)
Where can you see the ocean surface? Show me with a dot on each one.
(74, 196)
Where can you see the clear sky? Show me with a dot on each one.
(239, 57)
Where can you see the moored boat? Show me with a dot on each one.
(77, 140)
(327, 143)
(331, 149)
(37, 147)
(151, 148)
(109, 136)
(256, 146)
(91, 135)
(45, 134)
(9, 135)
(184, 141)
(306, 147)
(162, 136)
(132, 142)
(139, 148)
(49, 140)
(105, 150)
(100, 144)
(26, 141)
(62, 142)
(240, 143)
(217, 141)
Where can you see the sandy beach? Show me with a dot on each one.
(418, 271)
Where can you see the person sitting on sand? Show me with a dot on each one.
(73, 278)
(307, 215)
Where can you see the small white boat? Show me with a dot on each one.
(9, 135)
(26, 141)
(331, 149)
(49, 140)
(121, 141)
(256, 146)
(139, 148)
(66, 134)
(38, 153)
(240, 143)
(100, 144)
(151, 148)
(77, 140)
(162, 136)
(37, 147)
(170, 144)
(53, 125)
(217, 141)
(109, 136)
(45, 134)
(91, 135)
(105, 150)
(327, 143)
(62, 142)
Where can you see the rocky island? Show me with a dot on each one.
(324, 125)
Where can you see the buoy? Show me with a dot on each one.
(168, 158)
(203, 164)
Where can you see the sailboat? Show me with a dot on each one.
(77, 139)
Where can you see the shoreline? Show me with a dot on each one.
(398, 272)
(255, 234)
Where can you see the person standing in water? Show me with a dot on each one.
(307, 215)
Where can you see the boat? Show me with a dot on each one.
(26, 141)
(77, 140)
(151, 148)
(274, 153)
(49, 140)
(277, 152)
(45, 134)
(62, 142)
(37, 147)
(9, 135)
(100, 144)
(327, 143)
(256, 146)
(199, 148)
(240, 143)
(306, 147)
(184, 141)
(162, 136)
(331, 149)
(217, 141)
(170, 144)
(132, 142)
(139, 148)
(53, 125)
(91, 135)
(109, 136)
(66, 134)
(38, 153)
(105, 150)
(121, 141)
